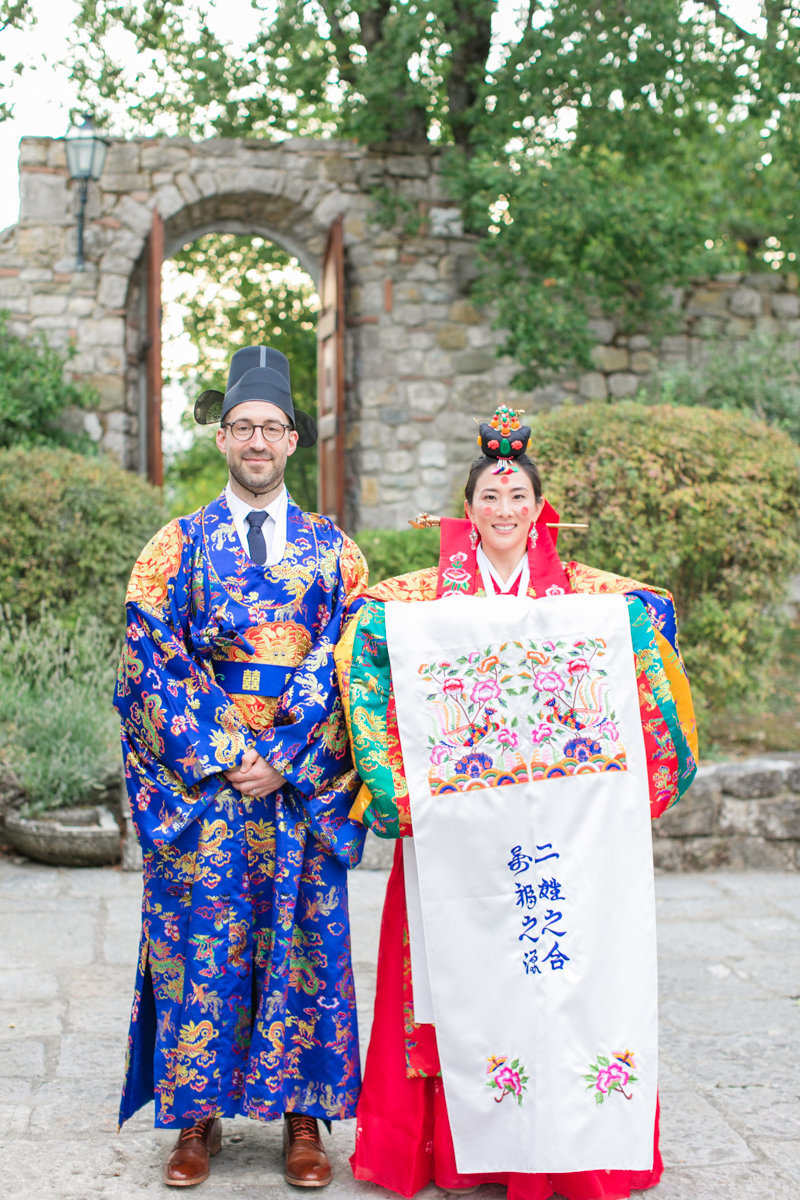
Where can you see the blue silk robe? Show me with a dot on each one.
(244, 999)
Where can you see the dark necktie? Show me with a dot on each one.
(255, 536)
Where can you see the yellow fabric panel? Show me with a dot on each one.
(355, 572)
(681, 693)
(257, 711)
(343, 657)
(156, 565)
(360, 804)
(415, 585)
(276, 643)
(584, 578)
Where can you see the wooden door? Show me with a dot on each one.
(330, 377)
(155, 258)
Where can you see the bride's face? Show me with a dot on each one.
(503, 509)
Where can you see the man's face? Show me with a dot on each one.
(256, 466)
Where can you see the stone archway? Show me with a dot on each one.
(406, 321)
(249, 214)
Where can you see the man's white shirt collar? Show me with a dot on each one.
(274, 529)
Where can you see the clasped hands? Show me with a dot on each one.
(254, 776)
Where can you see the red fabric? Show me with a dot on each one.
(458, 565)
(403, 1138)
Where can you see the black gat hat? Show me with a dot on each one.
(256, 373)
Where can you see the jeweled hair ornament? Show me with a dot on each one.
(504, 439)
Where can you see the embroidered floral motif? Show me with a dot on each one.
(507, 1078)
(609, 1075)
(518, 712)
(455, 577)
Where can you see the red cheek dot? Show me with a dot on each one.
(487, 512)
(525, 510)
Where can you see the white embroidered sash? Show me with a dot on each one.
(523, 749)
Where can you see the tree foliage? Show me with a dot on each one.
(376, 70)
(14, 14)
(241, 292)
(600, 151)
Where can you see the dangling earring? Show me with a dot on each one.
(533, 536)
(473, 537)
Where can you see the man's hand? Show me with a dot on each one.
(254, 776)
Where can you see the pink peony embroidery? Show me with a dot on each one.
(452, 686)
(548, 681)
(507, 1078)
(508, 738)
(485, 690)
(610, 1075)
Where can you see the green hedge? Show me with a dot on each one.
(72, 529)
(393, 552)
(705, 503)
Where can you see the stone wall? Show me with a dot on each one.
(731, 306)
(739, 815)
(421, 360)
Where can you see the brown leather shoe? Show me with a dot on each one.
(188, 1163)
(306, 1163)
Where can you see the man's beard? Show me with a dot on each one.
(257, 485)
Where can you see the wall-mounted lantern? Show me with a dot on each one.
(86, 154)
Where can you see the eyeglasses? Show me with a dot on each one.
(272, 431)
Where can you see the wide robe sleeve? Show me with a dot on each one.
(366, 678)
(308, 742)
(668, 725)
(179, 729)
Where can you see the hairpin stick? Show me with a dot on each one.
(425, 521)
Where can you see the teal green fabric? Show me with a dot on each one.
(370, 690)
(646, 650)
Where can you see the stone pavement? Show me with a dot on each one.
(730, 1042)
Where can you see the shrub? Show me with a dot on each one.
(72, 530)
(34, 393)
(393, 552)
(704, 503)
(58, 730)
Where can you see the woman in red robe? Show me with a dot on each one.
(403, 1138)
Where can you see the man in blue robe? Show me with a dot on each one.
(240, 782)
